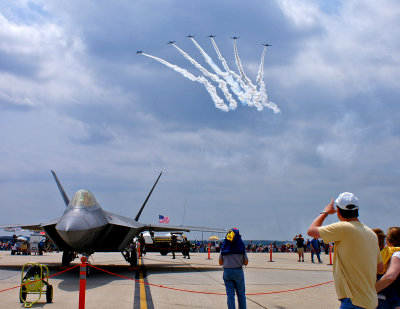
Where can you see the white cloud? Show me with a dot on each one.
(349, 51)
(47, 65)
(304, 14)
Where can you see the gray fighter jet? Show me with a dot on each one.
(85, 227)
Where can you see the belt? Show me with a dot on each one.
(233, 267)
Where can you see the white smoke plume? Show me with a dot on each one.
(261, 83)
(230, 76)
(219, 103)
(213, 77)
(240, 85)
(252, 95)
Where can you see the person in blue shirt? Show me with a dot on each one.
(232, 258)
(315, 249)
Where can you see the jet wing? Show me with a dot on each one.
(139, 226)
(177, 228)
(31, 227)
(121, 230)
(48, 227)
(16, 227)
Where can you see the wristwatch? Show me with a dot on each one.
(324, 212)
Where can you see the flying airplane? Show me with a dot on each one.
(171, 42)
(211, 36)
(139, 52)
(235, 37)
(266, 45)
(85, 227)
(190, 36)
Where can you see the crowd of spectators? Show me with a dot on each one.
(202, 246)
(5, 245)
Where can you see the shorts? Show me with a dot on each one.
(300, 250)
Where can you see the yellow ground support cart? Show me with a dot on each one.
(34, 281)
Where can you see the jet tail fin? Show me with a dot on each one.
(60, 187)
(147, 198)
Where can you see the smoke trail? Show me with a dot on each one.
(253, 98)
(243, 89)
(219, 103)
(260, 73)
(225, 65)
(236, 89)
(215, 78)
(240, 85)
(263, 90)
(239, 64)
(208, 59)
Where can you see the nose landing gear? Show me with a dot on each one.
(130, 255)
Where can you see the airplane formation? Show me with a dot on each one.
(232, 85)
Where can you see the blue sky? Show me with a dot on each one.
(75, 97)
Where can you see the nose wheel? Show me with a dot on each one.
(130, 256)
(68, 257)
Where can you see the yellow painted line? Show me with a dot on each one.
(143, 302)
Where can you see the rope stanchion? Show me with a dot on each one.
(82, 283)
(271, 248)
(330, 254)
(208, 293)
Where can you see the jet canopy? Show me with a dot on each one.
(83, 198)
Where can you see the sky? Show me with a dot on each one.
(76, 98)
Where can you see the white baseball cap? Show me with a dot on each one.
(347, 201)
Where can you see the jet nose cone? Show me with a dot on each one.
(72, 223)
(74, 230)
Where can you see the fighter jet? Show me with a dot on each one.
(85, 227)
(211, 36)
(266, 45)
(139, 52)
(171, 42)
(190, 36)
(235, 37)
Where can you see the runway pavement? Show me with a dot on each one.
(162, 282)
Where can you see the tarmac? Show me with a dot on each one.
(163, 282)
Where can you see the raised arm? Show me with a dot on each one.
(390, 276)
(313, 229)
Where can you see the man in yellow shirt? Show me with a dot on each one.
(357, 258)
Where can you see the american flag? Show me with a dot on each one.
(163, 219)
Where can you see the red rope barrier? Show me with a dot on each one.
(166, 287)
(202, 292)
(15, 287)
